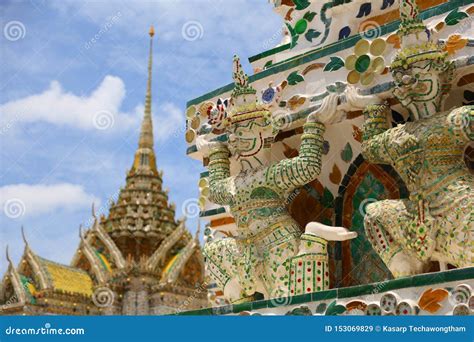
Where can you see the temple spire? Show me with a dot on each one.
(8, 257)
(146, 133)
(23, 235)
(145, 162)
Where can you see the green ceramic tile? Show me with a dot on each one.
(269, 52)
(212, 212)
(222, 310)
(242, 307)
(428, 279)
(259, 304)
(201, 312)
(394, 284)
(305, 298)
(324, 295)
(354, 291)
(283, 301)
(459, 274)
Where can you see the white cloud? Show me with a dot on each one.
(168, 123)
(100, 110)
(18, 200)
(244, 16)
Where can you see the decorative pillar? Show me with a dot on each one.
(129, 305)
(142, 303)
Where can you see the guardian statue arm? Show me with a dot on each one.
(461, 123)
(375, 137)
(290, 174)
(219, 173)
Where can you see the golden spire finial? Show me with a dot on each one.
(8, 256)
(145, 156)
(198, 230)
(23, 235)
(146, 134)
(152, 31)
(93, 210)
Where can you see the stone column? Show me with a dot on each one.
(142, 302)
(129, 306)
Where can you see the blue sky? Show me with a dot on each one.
(73, 78)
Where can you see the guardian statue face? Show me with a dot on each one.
(419, 88)
(249, 126)
(420, 69)
(249, 138)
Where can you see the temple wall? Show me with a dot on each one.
(310, 70)
(446, 293)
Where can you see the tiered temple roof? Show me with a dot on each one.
(142, 212)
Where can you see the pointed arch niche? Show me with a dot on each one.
(364, 183)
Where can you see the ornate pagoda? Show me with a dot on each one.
(139, 260)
